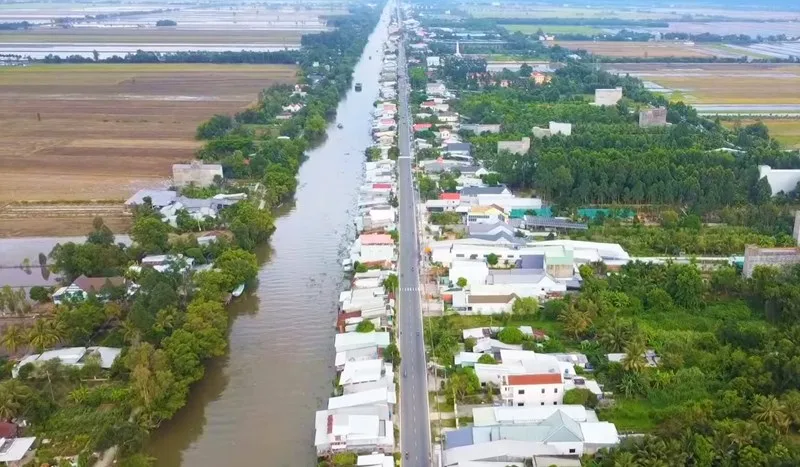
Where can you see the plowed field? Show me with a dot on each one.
(102, 131)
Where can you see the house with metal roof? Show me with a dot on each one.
(357, 340)
(361, 429)
(557, 435)
(497, 232)
(71, 356)
(13, 450)
(469, 194)
(365, 375)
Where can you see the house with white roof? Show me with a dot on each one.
(366, 375)
(13, 450)
(356, 430)
(369, 352)
(358, 340)
(375, 460)
(71, 356)
(474, 271)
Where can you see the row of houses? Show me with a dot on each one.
(360, 416)
(530, 422)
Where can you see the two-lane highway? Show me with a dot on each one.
(415, 438)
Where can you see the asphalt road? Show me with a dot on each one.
(415, 437)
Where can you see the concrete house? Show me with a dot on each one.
(515, 147)
(491, 214)
(196, 173)
(480, 128)
(555, 128)
(607, 96)
(433, 62)
(784, 180)
(374, 248)
(653, 117)
(532, 389)
(437, 89)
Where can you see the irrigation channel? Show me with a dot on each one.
(256, 405)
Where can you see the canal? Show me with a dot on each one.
(256, 405)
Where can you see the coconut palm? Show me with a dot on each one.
(634, 356)
(615, 335)
(44, 334)
(771, 411)
(624, 459)
(390, 283)
(13, 338)
(13, 395)
(576, 322)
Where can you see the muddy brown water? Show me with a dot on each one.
(255, 406)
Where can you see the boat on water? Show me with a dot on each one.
(340, 126)
(238, 290)
(358, 87)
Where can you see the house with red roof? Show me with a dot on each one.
(422, 127)
(533, 389)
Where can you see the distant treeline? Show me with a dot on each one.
(281, 57)
(15, 26)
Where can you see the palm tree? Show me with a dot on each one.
(624, 459)
(390, 283)
(634, 356)
(9, 405)
(13, 338)
(44, 334)
(130, 332)
(771, 411)
(576, 322)
(13, 395)
(615, 335)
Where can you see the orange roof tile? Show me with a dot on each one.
(527, 380)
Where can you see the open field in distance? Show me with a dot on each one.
(721, 83)
(637, 49)
(153, 36)
(527, 10)
(552, 29)
(786, 131)
(105, 130)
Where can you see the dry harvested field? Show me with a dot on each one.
(102, 131)
(155, 36)
(637, 49)
(722, 83)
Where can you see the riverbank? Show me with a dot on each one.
(164, 341)
(262, 394)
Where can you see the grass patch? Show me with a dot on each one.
(553, 29)
(630, 415)
(785, 130)
(464, 421)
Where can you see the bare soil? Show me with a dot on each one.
(101, 132)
